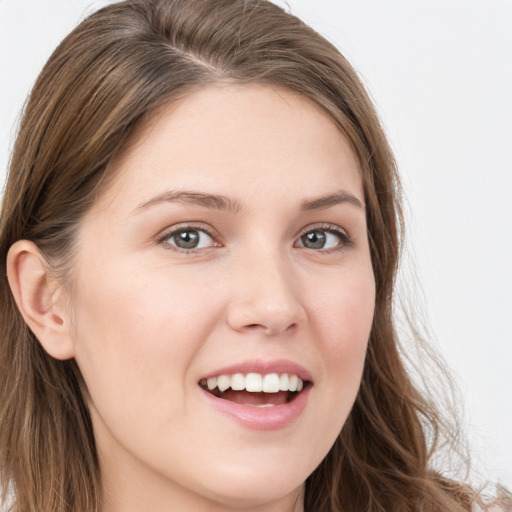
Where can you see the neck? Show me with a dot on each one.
(141, 500)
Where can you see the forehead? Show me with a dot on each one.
(237, 138)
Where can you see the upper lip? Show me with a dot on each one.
(264, 368)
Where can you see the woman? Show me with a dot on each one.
(199, 238)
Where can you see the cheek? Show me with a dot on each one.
(341, 311)
(344, 306)
(343, 316)
(137, 336)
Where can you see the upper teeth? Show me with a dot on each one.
(256, 383)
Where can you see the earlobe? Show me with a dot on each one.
(36, 295)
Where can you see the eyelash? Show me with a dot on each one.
(345, 240)
(180, 228)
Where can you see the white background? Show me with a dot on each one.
(440, 73)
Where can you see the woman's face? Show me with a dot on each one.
(232, 242)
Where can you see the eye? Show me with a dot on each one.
(189, 239)
(324, 238)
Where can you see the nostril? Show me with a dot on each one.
(260, 316)
(271, 329)
(292, 327)
(255, 327)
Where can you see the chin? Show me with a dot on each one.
(255, 488)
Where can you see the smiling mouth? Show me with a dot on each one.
(258, 390)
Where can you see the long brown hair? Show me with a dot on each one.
(115, 68)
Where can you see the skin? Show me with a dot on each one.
(150, 320)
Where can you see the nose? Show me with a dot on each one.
(265, 297)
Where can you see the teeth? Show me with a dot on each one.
(271, 383)
(237, 382)
(255, 382)
(294, 382)
(223, 382)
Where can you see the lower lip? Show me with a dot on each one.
(261, 418)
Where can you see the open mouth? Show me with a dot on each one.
(256, 389)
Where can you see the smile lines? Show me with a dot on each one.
(254, 382)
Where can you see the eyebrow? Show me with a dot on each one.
(211, 201)
(224, 203)
(324, 202)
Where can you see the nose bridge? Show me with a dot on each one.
(265, 294)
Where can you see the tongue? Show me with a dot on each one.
(246, 398)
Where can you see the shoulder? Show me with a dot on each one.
(492, 508)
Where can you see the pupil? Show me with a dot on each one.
(314, 240)
(187, 239)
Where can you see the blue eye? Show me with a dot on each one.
(189, 238)
(324, 239)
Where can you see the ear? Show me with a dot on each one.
(37, 296)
